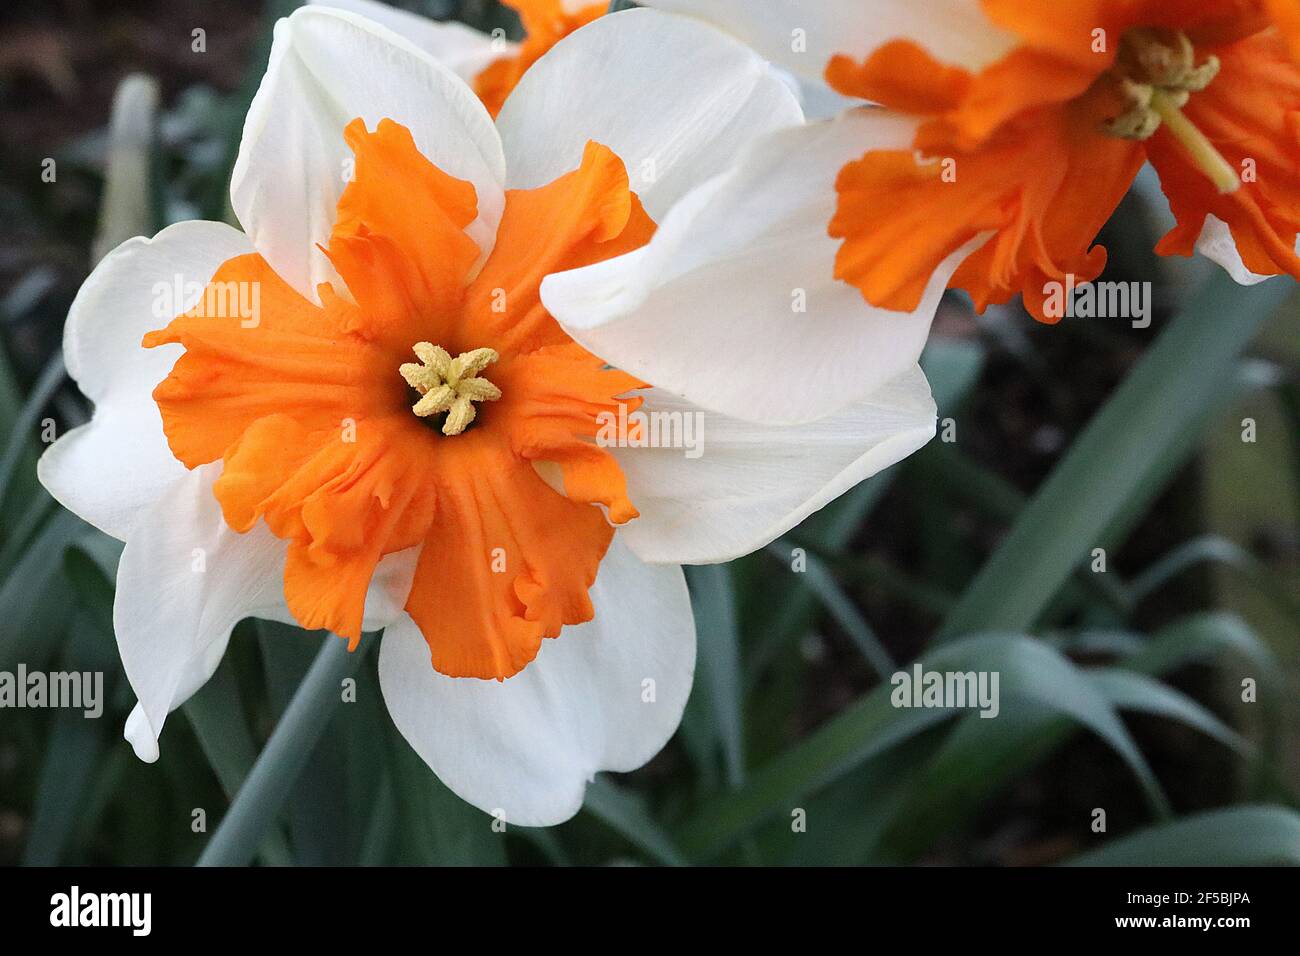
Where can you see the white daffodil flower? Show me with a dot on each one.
(357, 413)
(1025, 125)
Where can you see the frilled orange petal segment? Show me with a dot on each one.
(1042, 188)
(306, 406)
(582, 218)
(399, 240)
(545, 23)
(1251, 113)
(959, 109)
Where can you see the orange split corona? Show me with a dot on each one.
(1047, 140)
(272, 401)
(1021, 124)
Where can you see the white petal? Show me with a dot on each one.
(819, 101)
(803, 35)
(328, 67)
(527, 746)
(118, 463)
(741, 484)
(1216, 244)
(676, 100)
(709, 308)
(185, 580)
(464, 50)
(389, 589)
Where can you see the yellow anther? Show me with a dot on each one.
(1157, 73)
(450, 385)
(478, 390)
(434, 401)
(434, 356)
(469, 364)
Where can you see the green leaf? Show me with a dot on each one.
(1239, 836)
(841, 609)
(1214, 549)
(33, 604)
(369, 800)
(976, 759)
(90, 565)
(18, 536)
(868, 727)
(11, 399)
(20, 440)
(1127, 690)
(74, 750)
(257, 805)
(844, 821)
(956, 475)
(622, 812)
(1202, 637)
(718, 662)
(216, 714)
(436, 827)
(1123, 458)
(1031, 673)
(380, 826)
(319, 823)
(547, 844)
(981, 757)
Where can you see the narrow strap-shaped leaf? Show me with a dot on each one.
(216, 715)
(259, 801)
(845, 613)
(1131, 691)
(620, 811)
(713, 599)
(1214, 549)
(1031, 674)
(1120, 462)
(1239, 836)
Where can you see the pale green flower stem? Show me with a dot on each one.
(258, 802)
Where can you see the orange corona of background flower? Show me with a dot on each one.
(1038, 148)
(545, 23)
(316, 428)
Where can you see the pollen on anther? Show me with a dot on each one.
(450, 385)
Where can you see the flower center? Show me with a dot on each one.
(450, 385)
(1157, 73)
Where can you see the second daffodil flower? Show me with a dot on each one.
(1023, 123)
(361, 414)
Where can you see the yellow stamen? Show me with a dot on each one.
(450, 385)
(1157, 73)
(1199, 148)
